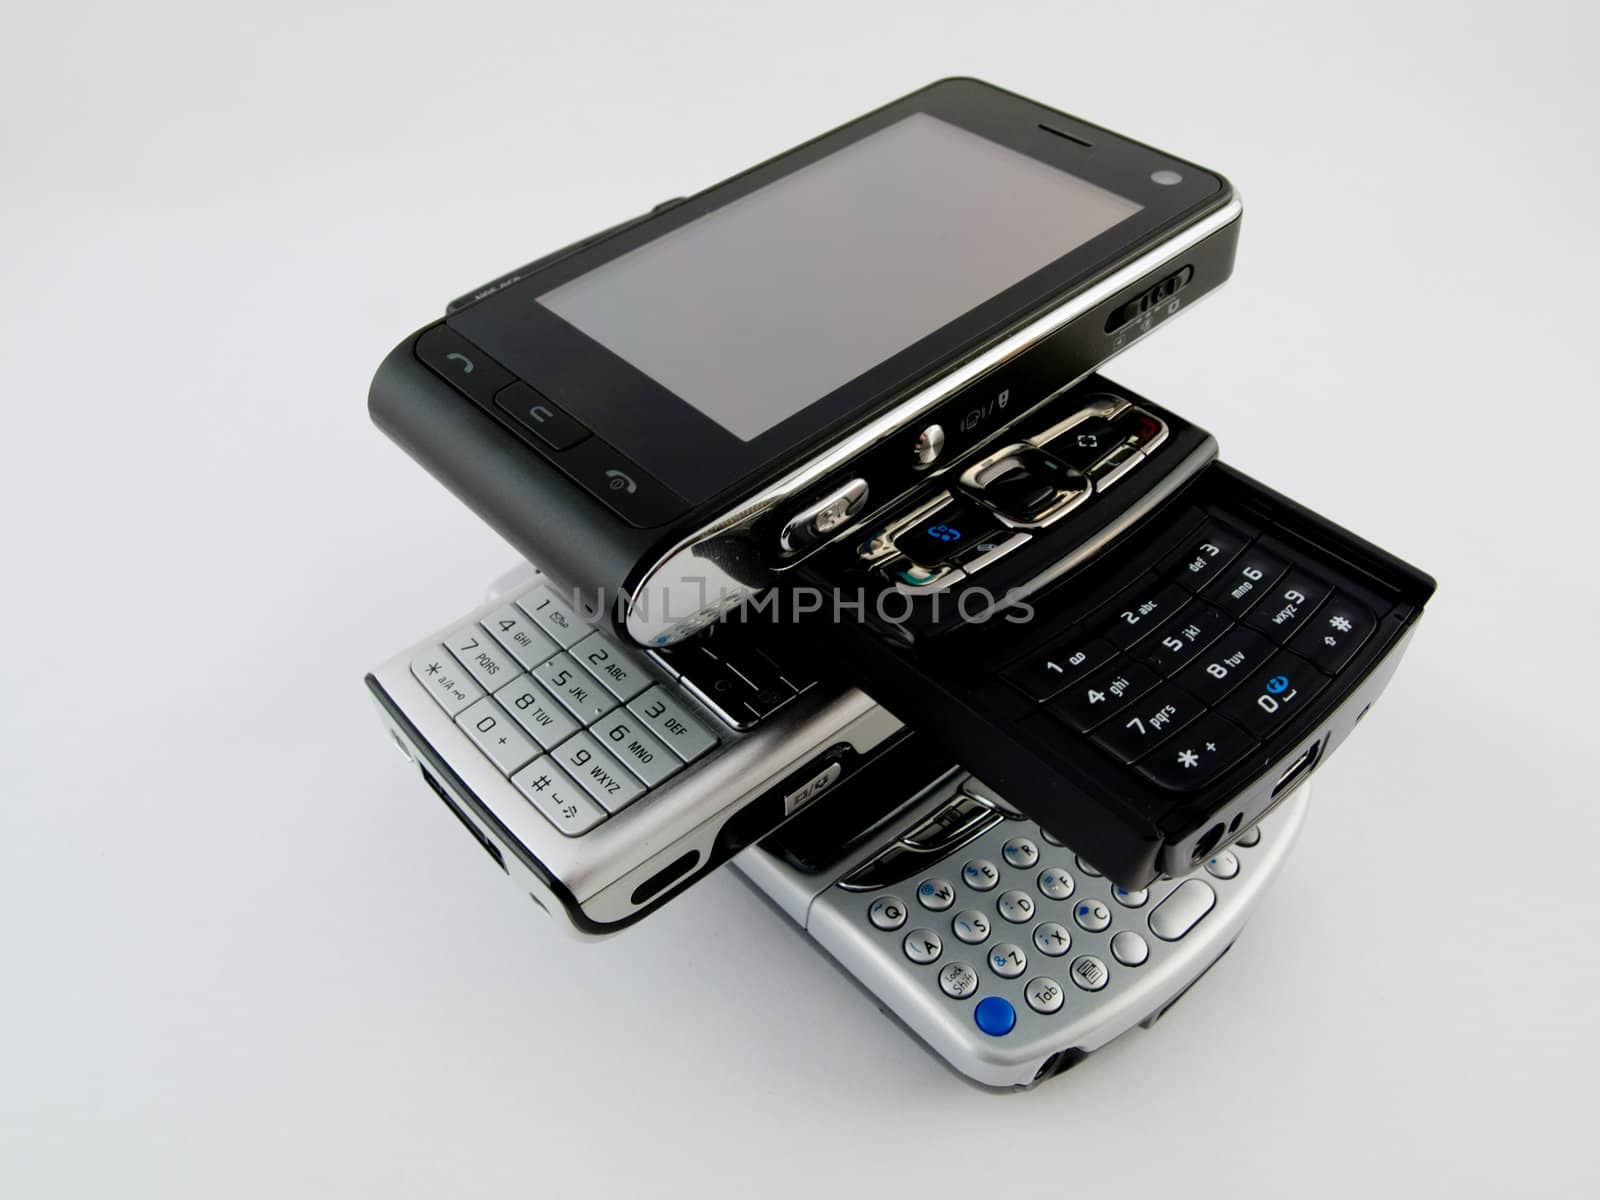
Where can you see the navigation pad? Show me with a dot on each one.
(1000, 502)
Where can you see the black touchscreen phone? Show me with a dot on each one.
(677, 412)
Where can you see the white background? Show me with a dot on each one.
(243, 953)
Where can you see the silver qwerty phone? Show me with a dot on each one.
(605, 779)
(990, 941)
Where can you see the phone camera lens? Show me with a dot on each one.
(1165, 177)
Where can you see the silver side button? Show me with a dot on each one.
(1181, 911)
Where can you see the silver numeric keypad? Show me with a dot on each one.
(573, 720)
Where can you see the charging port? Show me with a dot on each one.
(1298, 769)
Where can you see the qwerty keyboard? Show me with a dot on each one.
(1008, 953)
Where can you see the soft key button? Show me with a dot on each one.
(922, 946)
(1087, 442)
(1181, 911)
(971, 926)
(1016, 906)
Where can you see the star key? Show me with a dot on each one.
(1211, 745)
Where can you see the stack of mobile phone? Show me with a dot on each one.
(846, 557)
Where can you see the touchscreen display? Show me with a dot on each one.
(762, 307)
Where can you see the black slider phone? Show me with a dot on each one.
(675, 413)
(1140, 647)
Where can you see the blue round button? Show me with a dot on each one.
(995, 1016)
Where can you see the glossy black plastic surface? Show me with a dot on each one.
(1073, 714)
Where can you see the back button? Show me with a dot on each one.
(536, 414)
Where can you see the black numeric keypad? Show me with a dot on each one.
(1187, 670)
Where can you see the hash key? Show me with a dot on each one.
(1091, 700)
(1340, 628)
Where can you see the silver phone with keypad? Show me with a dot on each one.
(604, 779)
(1000, 949)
